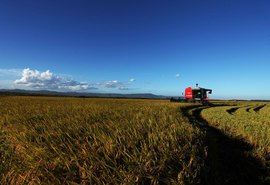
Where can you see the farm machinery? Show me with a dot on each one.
(197, 94)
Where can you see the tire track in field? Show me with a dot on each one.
(255, 108)
(232, 110)
(248, 109)
(229, 160)
(258, 108)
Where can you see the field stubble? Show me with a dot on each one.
(246, 139)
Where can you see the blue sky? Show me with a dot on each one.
(137, 46)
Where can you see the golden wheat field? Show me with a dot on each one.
(63, 140)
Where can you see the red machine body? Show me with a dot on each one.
(188, 93)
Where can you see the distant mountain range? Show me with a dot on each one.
(78, 94)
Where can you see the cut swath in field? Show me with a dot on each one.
(232, 110)
(255, 108)
(230, 159)
(251, 128)
(258, 108)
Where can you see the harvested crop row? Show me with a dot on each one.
(252, 125)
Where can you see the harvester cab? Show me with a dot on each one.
(197, 94)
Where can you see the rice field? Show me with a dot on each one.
(64, 140)
(59, 140)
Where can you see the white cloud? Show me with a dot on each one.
(115, 84)
(131, 80)
(47, 80)
(177, 75)
(123, 88)
(112, 84)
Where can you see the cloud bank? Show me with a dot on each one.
(47, 80)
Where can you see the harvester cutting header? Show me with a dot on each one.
(197, 94)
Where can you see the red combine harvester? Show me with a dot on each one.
(196, 94)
